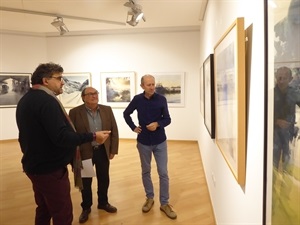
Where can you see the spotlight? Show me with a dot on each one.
(60, 26)
(135, 13)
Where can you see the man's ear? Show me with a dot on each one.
(45, 81)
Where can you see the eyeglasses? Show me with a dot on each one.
(60, 78)
(91, 94)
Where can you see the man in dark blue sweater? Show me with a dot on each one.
(48, 142)
(153, 117)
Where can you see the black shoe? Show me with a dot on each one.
(84, 216)
(108, 208)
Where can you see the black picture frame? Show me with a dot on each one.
(209, 95)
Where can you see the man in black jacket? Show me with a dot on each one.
(48, 142)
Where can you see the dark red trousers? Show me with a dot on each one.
(53, 199)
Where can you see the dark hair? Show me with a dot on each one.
(45, 70)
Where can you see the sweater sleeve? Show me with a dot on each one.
(58, 127)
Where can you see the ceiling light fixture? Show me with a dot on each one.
(135, 13)
(58, 23)
(59, 20)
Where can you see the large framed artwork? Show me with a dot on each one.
(230, 98)
(201, 78)
(74, 84)
(282, 142)
(117, 88)
(209, 95)
(13, 86)
(171, 85)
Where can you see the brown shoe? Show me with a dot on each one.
(84, 216)
(168, 210)
(108, 208)
(148, 205)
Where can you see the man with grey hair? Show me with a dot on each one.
(92, 117)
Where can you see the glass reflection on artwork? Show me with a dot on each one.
(286, 112)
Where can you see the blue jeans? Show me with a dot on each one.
(161, 157)
(281, 147)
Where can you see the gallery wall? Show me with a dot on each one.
(18, 54)
(234, 203)
(139, 52)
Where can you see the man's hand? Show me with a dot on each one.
(152, 126)
(101, 136)
(137, 130)
(283, 124)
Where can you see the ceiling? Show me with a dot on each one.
(98, 16)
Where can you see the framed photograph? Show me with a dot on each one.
(230, 98)
(201, 78)
(209, 95)
(171, 85)
(282, 117)
(118, 88)
(13, 86)
(74, 84)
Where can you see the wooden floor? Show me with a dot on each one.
(188, 189)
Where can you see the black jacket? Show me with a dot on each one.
(46, 138)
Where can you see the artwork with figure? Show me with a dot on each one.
(117, 88)
(12, 88)
(73, 85)
(286, 137)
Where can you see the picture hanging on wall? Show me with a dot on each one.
(170, 85)
(209, 95)
(117, 88)
(74, 84)
(230, 98)
(13, 87)
(282, 152)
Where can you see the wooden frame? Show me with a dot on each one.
(171, 85)
(74, 84)
(230, 98)
(209, 95)
(117, 88)
(13, 87)
(282, 165)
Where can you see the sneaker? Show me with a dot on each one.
(168, 210)
(148, 205)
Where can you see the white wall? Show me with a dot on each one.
(232, 203)
(142, 53)
(18, 54)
